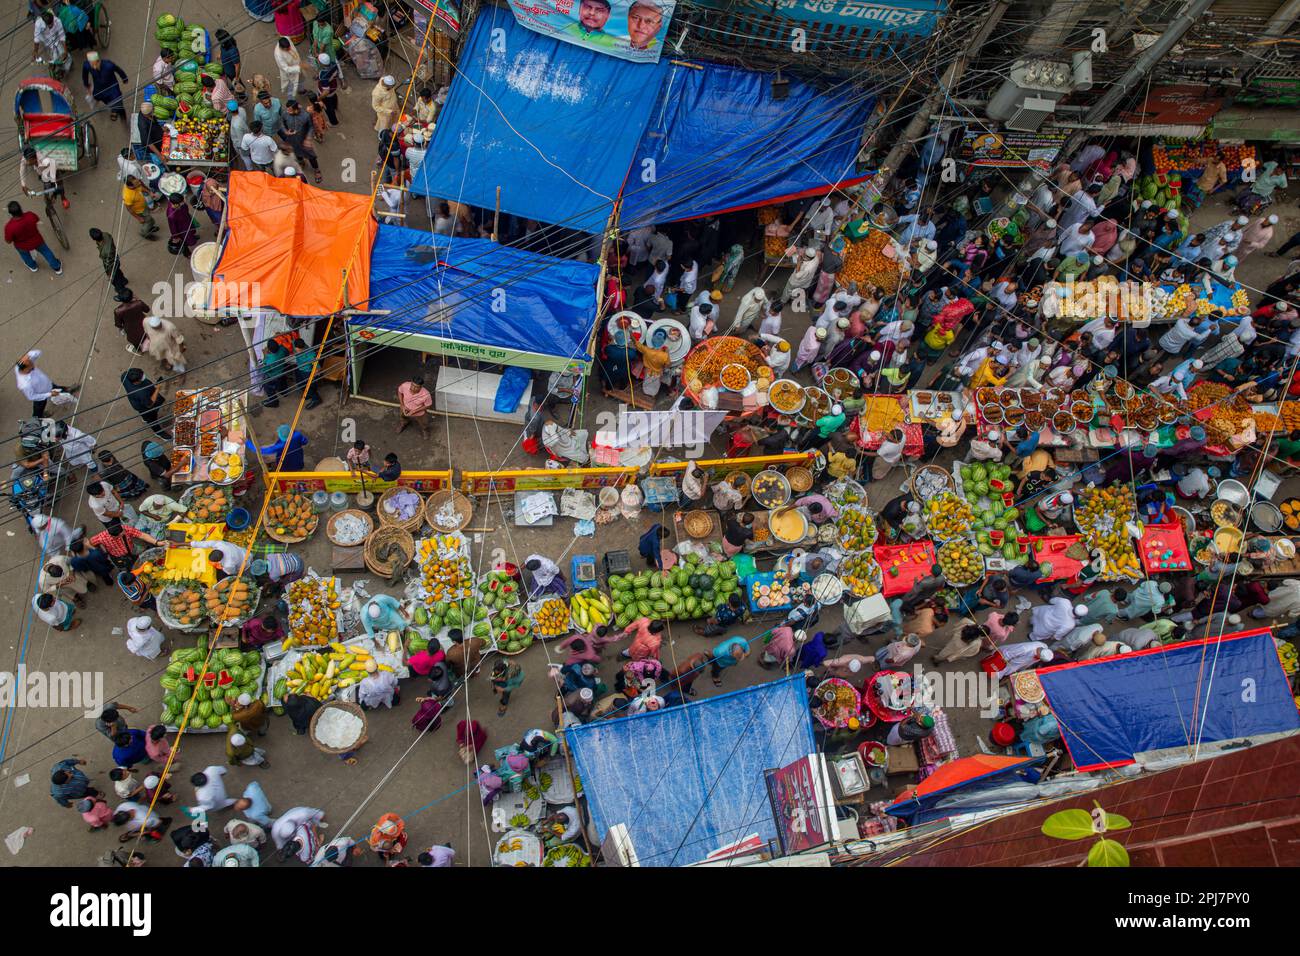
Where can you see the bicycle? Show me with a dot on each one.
(53, 215)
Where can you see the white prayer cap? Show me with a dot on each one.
(238, 740)
(373, 612)
(841, 323)
(290, 171)
(585, 693)
(1067, 498)
(1044, 654)
(1051, 224)
(1242, 220)
(995, 435)
(244, 700)
(1097, 260)
(1080, 610)
(150, 782)
(1272, 220)
(875, 355)
(142, 621)
(819, 334)
(855, 666)
(155, 322)
(389, 80)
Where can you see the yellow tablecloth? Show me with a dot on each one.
(192, 564)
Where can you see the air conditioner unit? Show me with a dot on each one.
(1031, 113)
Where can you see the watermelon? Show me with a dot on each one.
(644, 609)
(220, 707)
(169, 681)
(183, 691)
(214, 722)
(205, 709)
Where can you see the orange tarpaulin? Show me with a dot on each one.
(289, 243)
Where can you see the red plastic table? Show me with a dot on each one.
(914, 561)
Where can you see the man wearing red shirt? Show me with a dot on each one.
(21, 233)
(116, 540)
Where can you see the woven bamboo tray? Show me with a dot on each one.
(271, 533)
(356, 513)
(351, 708)
(464, 509)
(411, 524)
(382, 536)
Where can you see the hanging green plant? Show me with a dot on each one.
(1080, 824)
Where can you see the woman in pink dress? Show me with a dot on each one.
(289, 22)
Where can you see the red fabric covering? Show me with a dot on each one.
(910, 569)
(1052, 550)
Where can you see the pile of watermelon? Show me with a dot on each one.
(230, 673)
(1163, 189)
(468, 615)
(690, 590)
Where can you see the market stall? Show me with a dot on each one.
(208, 436)
(1066, 554)
(727, 373)
(903, 565)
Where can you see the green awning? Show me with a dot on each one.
(1278, 126)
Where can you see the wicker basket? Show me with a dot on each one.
(351, 708)
(464, 509)
(411, 524)
(287, 538)
(164, 613)
(355, 513)
(698, 524)
(382, 536)
(800, 478)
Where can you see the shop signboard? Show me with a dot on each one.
(628, 29)
(718, 467)
(910, 17)
(1011, 148)
(489, 354)
(543, 479)
(445, 13)
(800, 804)
(1180, 104)
(308, 482)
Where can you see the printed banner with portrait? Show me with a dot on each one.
(629, 29)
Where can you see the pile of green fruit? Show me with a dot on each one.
(468, 615)
(498, 590)
(514, 632)
(230, 673)
(689, 590)
(983, 486)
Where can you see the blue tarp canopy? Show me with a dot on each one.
(1170, 696)
(720, 142)
(564, 131)
(552, 124)
(480, 293)
(689, 779)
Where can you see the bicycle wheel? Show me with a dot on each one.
(103, 26)
(56, 223)
(90, 144)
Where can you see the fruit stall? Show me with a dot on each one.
(208, 436)
(1178, 159)
(1103, 516)
(693, 589)
(1066, 554)
(333, 671)
(196, 134)
(214, 689)
(1163, 548)
(872, 260)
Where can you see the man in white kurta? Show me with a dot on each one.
(1052, 621)
(165, 343)
(142, 638)
(1022, 655)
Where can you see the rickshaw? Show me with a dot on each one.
(45, 112)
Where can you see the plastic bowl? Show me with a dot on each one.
(238, 519)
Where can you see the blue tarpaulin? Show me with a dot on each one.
(689, 779)
(718, 141)
(480, 292)
(1171, 696)
(563, 131)
(552, 124)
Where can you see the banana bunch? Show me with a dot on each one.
(590, 609)
(319, 675)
